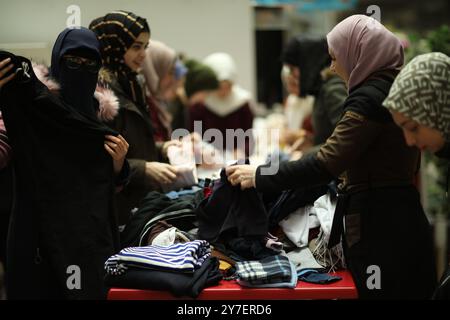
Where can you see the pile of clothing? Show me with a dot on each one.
(183, 269)
(236, 222)
(258, 239)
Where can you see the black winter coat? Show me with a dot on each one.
(63, 218)
(134, 124)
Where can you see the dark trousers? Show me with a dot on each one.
(388, 245)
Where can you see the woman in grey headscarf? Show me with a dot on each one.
(419, 101)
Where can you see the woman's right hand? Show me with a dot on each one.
(4, 68)
(161, 172)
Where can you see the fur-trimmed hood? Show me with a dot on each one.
(108, 102)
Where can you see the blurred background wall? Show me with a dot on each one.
(195, 27)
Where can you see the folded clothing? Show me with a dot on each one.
(182, 257)
(273, 269)
(292, 283)
(179, 284)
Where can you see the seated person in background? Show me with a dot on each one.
(193, 89)
(226, 108)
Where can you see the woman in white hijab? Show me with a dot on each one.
(229, 106)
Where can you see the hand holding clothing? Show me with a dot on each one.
(163, 173)
(243, 175)
(117, 147)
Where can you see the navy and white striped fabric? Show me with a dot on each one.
(180, 257)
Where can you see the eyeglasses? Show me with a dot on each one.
(75, 63)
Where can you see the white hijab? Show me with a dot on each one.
(225, 68)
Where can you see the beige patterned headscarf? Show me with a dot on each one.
(421, 92)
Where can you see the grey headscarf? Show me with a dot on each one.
(421, 92)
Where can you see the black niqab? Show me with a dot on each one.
(77, 85)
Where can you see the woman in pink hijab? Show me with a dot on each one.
(386, 238)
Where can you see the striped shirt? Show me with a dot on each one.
(180, 257)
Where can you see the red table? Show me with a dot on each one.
(230, 290)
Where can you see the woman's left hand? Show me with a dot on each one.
(243, 175)
(117, 147)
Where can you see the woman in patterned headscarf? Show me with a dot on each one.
(124, 38)
(117, 32)
(420, 102)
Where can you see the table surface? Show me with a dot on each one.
(230, 290)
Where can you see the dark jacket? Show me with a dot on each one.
(63, 213)
(444, 153)
(235, 221)
(180, 113)
(6, 187)
(134, 124)
(385, 223)
(6, 199)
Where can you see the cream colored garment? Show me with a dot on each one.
(297, 110)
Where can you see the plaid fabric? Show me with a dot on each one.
(182, 257)
(273, 269)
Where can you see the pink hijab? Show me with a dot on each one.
(363, 46)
